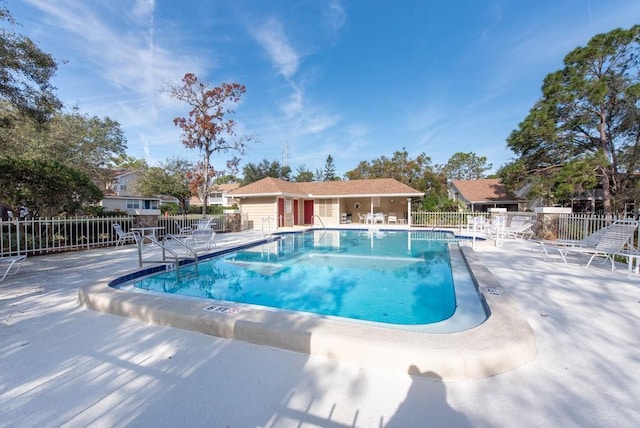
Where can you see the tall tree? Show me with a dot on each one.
(303, 174)
(25, 74)
(87, 143)
(465, 166)
(586, 120)
(329, 172)
(130, 162)
(207, 127)
(46, 187)
(169, 179)
(254, 172)
(417, 173)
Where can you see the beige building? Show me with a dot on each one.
(482, 194)
(280, 203)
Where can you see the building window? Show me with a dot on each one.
(325, 207)
(150, 204)
(133, 204)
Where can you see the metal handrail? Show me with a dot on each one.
(320, 220)
(268, 220)
(186, 246)
(165, 249)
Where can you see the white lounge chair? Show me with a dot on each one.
(588, 241)
(124, 237)
(378, 218)
(14, 263)
(392, 218)
(605, 243)
(519, 231)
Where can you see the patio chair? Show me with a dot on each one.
(378, 218)
(124, 237)
(361, 218)
(477, 223)
(183, 230)
(392, 218)
(519, 231)
(606, 243)
(203, 223)
(14, 263)
(201, 235)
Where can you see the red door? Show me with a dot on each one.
(295, 212)
(308, 211)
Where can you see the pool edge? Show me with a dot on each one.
(504, 342)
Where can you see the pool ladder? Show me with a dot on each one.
(173, 254)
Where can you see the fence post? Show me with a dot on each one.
(546, 226)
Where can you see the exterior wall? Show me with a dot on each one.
(257, 208)
(124, 184)
(121, 204)
(328, 210)
(114, 204)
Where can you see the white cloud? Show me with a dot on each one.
(335, 16)
(270, 35)
(143, 9)
(125, 59)
(294, 104)
(134, 69)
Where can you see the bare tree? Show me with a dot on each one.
(207, 127)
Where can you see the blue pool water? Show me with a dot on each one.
(394, 277)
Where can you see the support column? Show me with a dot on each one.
(409, 211)
(546, 226)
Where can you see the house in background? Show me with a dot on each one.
(280, 203)
(119, 196)
(218, 197)
(480, 195)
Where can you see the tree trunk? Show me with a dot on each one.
(205, 184)
(606, 192)
(206, 178)
(605, 182)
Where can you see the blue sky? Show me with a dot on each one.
(352, 79)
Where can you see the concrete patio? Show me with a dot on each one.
(62, 365)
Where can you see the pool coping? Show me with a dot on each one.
(504, 342)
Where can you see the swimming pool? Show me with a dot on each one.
(493, 340)
(399, 278)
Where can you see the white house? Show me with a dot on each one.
(219, 196)
(120, 196)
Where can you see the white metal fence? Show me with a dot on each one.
(65, 234)
(40, 236)
(578, 226)
(457, 220)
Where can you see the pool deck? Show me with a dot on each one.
(64, 365)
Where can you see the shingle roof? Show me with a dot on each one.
(342, 188)
(226, 187)
(484, 190)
